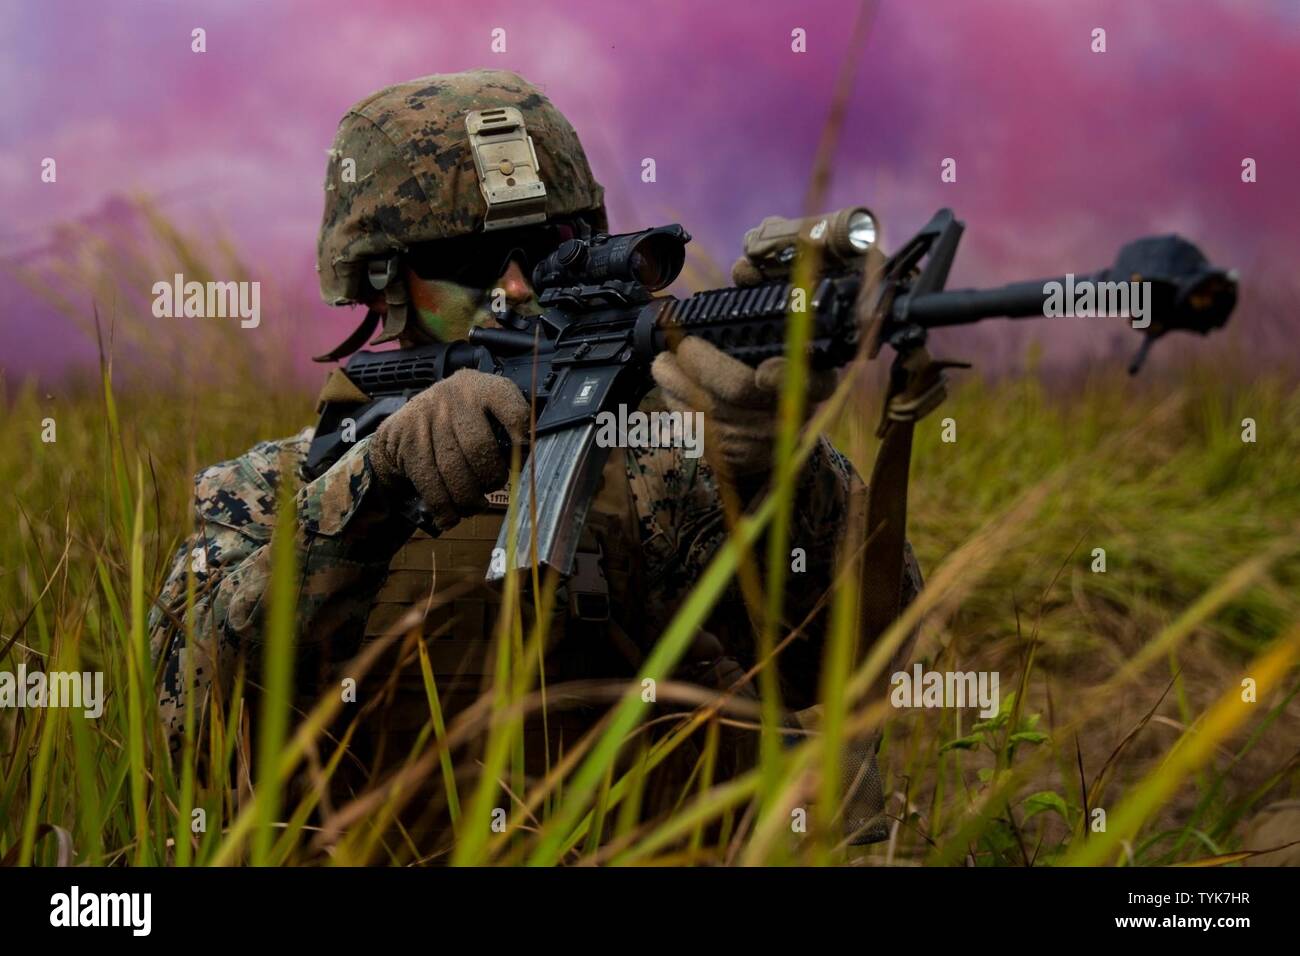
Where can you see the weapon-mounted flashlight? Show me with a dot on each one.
(840, 237)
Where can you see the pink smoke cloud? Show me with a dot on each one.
(1061, 152)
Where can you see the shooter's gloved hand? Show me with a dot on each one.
(442, 443)
(739, 402)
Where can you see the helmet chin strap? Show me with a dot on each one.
(354, 341)
(384, 276)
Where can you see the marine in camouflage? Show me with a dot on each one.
(348, 534)
(656, 522)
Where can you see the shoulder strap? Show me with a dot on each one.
(916, 388)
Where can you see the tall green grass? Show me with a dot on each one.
(1200, 532)
(1121, 689)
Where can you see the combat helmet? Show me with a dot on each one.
(437, 158)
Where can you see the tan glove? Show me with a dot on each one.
(442, 442)
(739, 402)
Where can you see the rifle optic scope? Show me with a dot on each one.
(652, 258)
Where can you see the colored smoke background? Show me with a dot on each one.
(1061, 153)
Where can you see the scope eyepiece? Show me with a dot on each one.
(652, 258)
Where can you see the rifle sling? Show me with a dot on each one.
(916, 387)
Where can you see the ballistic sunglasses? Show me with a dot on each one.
(479, 260)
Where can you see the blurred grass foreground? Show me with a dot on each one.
(1148, 711)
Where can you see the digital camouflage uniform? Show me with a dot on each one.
(655, 524)
(350, 548)
(348, 535)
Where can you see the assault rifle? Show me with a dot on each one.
(601, 326)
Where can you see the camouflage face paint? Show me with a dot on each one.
(448, 311)
(444, 309)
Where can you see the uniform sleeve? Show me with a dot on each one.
(347, 533)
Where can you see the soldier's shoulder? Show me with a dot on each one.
(241, 491)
